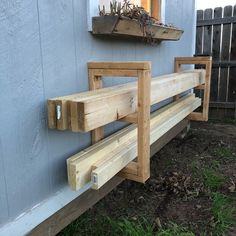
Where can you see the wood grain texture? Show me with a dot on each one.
(216, 55)
(199, 34)
(225, 55)
(110, 166)
(232, 73)
(130, 28)
(117, 102)
(207, 43)
(80, 165)
(143, 125)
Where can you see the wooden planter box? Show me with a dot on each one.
(115, 26)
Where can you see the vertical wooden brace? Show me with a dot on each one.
(207, 61)
(139, 170)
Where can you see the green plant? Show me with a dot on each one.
(212, 180)
(128, 228)
(88, 226)
(225, 153)
(214, 164)
(195, 165)
(223, 214)
(174, 230)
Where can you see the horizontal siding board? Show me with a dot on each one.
(60, 77)
(22, 110)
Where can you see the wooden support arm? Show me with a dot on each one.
(141, 70)
(207, 62)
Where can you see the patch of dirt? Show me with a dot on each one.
(176, 192)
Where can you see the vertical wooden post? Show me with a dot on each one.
(207, 85)
(207, 61)
(177, 69)
(95, 82)
(144, 101)
(139, 170)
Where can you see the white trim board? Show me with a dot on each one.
(27, 221)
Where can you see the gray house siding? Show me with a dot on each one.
(44, 49)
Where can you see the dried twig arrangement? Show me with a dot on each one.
(134, 12)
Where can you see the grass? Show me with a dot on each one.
(224, 153)
(212, 180)
(195, 165)
(87, 226)
(223, 214)
(174, 230)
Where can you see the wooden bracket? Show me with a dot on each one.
(207, 62)
(139, 170)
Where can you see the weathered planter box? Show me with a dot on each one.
(116, 26)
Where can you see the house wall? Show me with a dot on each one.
(44, 48)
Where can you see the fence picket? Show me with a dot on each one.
(225, 56)
(216, 55)
(216, 36)
(232, 72)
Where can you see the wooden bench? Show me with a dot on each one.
(131, 102)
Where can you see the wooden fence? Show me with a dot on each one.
(216, 36)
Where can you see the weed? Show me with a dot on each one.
(212, 180)
(174, 230)
(128, 228)
(195, 165)
(224, 153)
(88, 226)
(214, 164)
(223, 214)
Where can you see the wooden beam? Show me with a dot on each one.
(54, 224)
(81, 165)
(91, 113)
(111, 165)
(127, 65)
(143, 125)
(95, 82)
(92, 109)
(207, 62)
(132, 118)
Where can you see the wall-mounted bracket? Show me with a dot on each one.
(207, 62)
(138, 170)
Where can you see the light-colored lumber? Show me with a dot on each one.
(207, 62)
(131, 118)
(143, 115)
(92, 113)
(123, 95)
(81, 165)
(126, 65)
(95, 82)
(77, 207)
(111, 166)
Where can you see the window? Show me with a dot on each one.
(151, 6)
